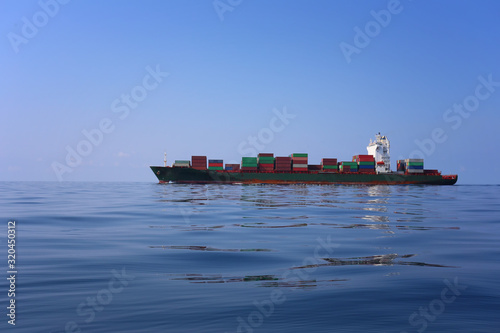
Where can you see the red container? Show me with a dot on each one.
(328, 161)
(199, 162)
(299, 160)
(248, 169)
(216, 164)
(265, 155)
(235, 167)
(300, 169)
(330, 170)
(314, 167)
(363, 158)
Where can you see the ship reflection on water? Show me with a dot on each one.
(354, 215)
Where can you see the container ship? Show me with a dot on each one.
(371, 168)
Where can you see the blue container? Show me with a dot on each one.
(229, 168)
(215, 161)
(366, 167)
(417, 167)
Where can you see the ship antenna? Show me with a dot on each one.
(165, 160)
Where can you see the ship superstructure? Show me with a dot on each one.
(380, 150)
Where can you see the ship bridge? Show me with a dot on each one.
(380, 150)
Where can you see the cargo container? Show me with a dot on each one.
(232, 167)
(366, 167)
(414, 171)
(249, 162)
(283, 164)
(363, 158)
(313, 167)
(243, 168)
(182, 164)
(328, 161)
(266, 167)
(199, 162)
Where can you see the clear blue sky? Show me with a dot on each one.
(69, 67)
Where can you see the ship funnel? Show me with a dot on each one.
(380, 150)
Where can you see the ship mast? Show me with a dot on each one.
(165, 160)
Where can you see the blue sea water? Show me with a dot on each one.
(147, 257)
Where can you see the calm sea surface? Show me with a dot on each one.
(147, 257)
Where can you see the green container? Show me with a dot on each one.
(215, 168)
(299, 155)
(366, 163)
(330, 167)
(351, 164)
(266, 161)
(182, 162)
(249, 162)
(415, 164)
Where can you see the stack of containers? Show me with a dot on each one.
(233, 167)
(215, 165)
(199, 162)
(348, 166)
(366, 163)
(401, 165)
(329, 165)
(414, 165)
(249, 164)
(265, 162)
(299, 162)
(283, 164)
(182, 164)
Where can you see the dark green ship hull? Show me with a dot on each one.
(190, 175)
